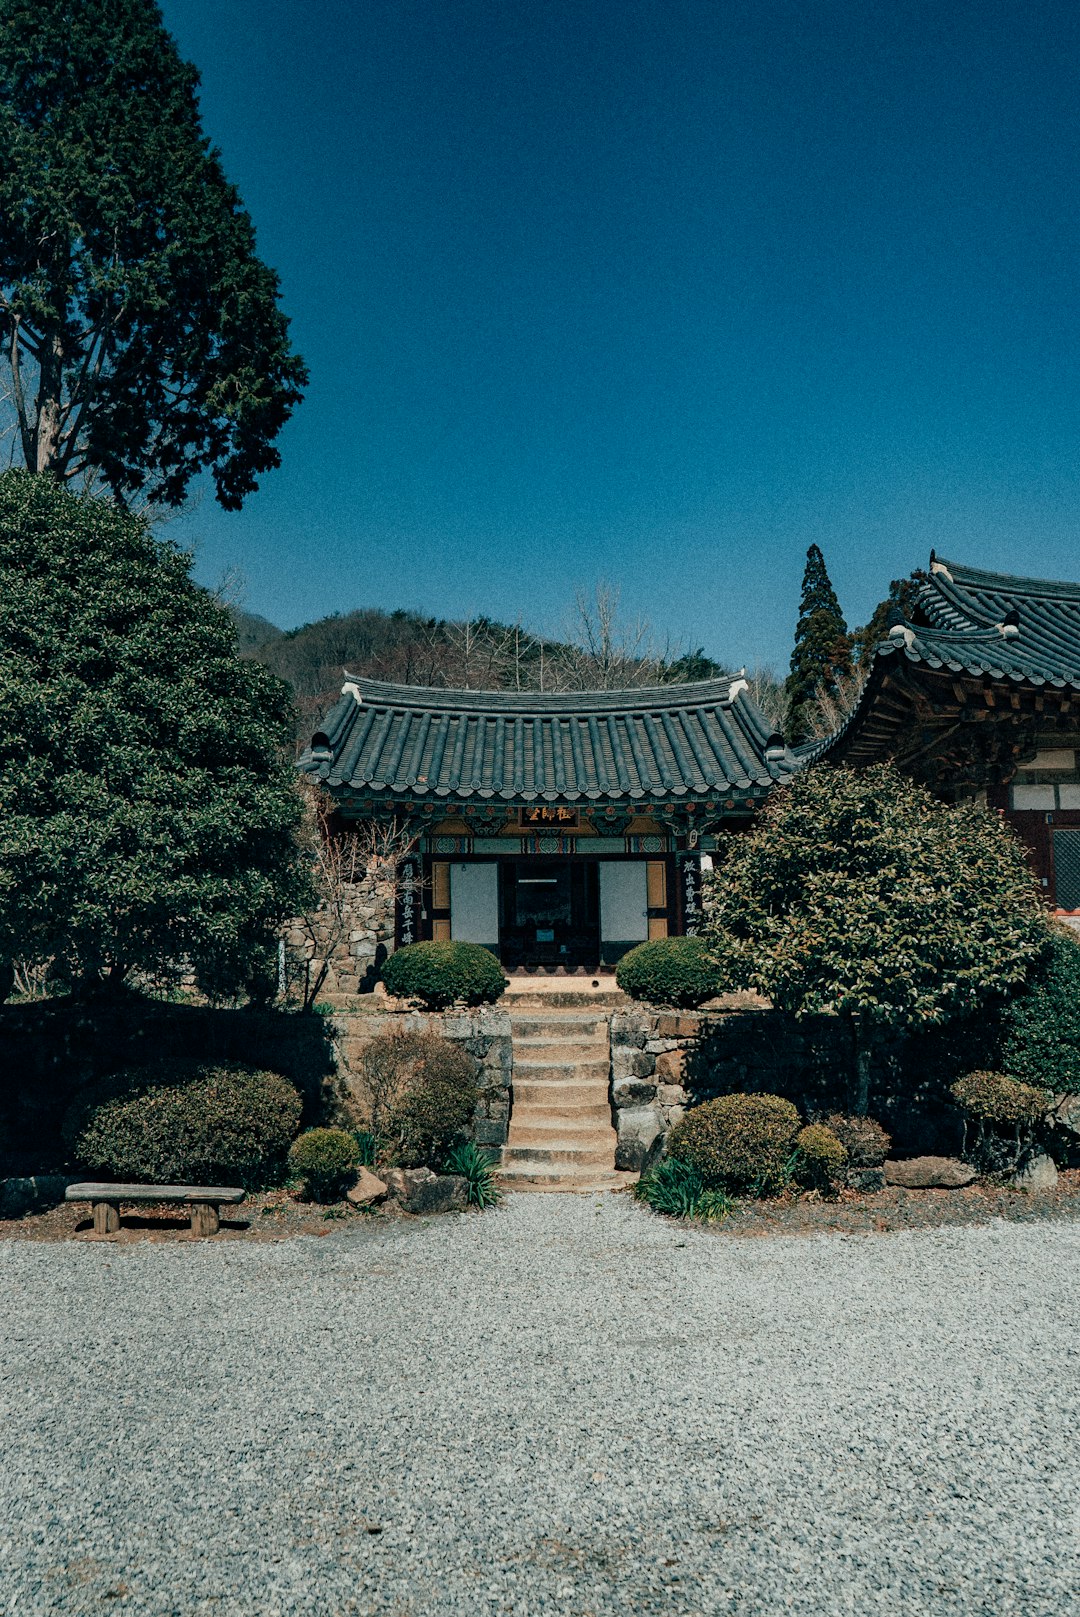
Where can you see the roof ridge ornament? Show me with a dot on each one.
(940, 568)
(350, 688)
(739, 683)
(1009, 627)
(898, 627)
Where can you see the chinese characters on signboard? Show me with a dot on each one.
(567, 819)
(408, 915)
(690, 877)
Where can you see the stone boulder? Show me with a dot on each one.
(367, 1189)
(1037, 1174)
(639, 1128)
(418, 1190)
(930, 1173)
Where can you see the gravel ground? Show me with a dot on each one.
(567, 1406)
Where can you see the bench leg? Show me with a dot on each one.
(204, 1218)
(106, 1218)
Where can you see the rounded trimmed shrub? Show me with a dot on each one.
(189, 1121)
(1041, 1043)
(325, 1159)
(670, 971)
(422, 1093)
(821, 1157)
(441, 974)
(739, 1142)
(994, 1098)
(863, 1138)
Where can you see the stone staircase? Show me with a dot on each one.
(561, 1135)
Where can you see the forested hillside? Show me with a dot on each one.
(479, 655)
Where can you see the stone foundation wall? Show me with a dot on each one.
(484, 1033)
(352, 946)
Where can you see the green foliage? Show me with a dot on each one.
(738, 1143)
(1042, 1023)
(902, 593)
(860, 896)
(141, 333)
(863, 1138)
(822, 653)
(670, 971)
(325, 1161)
(147, 811)
(422, 1093)
(820, 1158)
(675, 1188)
(183, 1121)
(367, 1147)
(998, 1099)
(478, 1168)
(441, 974)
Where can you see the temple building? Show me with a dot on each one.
(557, 829)
(977, 694)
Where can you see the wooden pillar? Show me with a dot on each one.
(106, 1218)
(204, 1218)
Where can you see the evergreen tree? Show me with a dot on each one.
(148, 810)
(141, 335)
(822, 653)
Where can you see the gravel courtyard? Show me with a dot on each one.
(567, 1405)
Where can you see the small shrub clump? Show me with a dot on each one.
(820, 1157)
(675, 1188)
(863, 1138)
(739, 1143)
(442, 974)
(478, 1168)
(422, 1093)
(998, 1099)
(670, 971)
(325, 1162)
(1006, 1114)
(185, 1121)
(1041, 1042)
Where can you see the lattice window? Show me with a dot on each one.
(1067, 869)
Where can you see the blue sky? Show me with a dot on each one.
(657, 291)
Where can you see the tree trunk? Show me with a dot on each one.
(864, 1062)
(49, 405)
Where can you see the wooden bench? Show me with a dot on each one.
(204, 1201)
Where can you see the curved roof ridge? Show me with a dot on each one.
(1006, 583)
(386, 693)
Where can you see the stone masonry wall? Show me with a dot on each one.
(484, 1032)
(354, 946)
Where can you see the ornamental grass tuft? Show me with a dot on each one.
(478, 1169)
(674, 1187)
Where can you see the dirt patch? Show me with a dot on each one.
(896, 1209)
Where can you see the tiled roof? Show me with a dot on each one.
(674, 741)
(966, 609)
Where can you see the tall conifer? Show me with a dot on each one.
(822, 653)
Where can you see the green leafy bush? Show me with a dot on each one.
(739, 1142)
(325, 1160)
(675, 1188)
(670, 971)
(820, 1157)
(478, 1168)
(422, 1093)
(441, 974)
(998, 1099)
(863, 1138)
(185, 1121)
(1042, 1024)
(1006, 1114)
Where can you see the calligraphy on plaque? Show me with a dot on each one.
(556, 814)
(690, 881)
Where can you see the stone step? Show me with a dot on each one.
(558, 1152)
(544, 1113)
(543, 1049)
(574, 1181)
(532, 1026)
(531, 998)
(553, 1094)
(542, 1132)
(535, 1072)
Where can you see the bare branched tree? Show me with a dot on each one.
(768, 692)
(828, 709)
(364, 861)
(604, 650)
